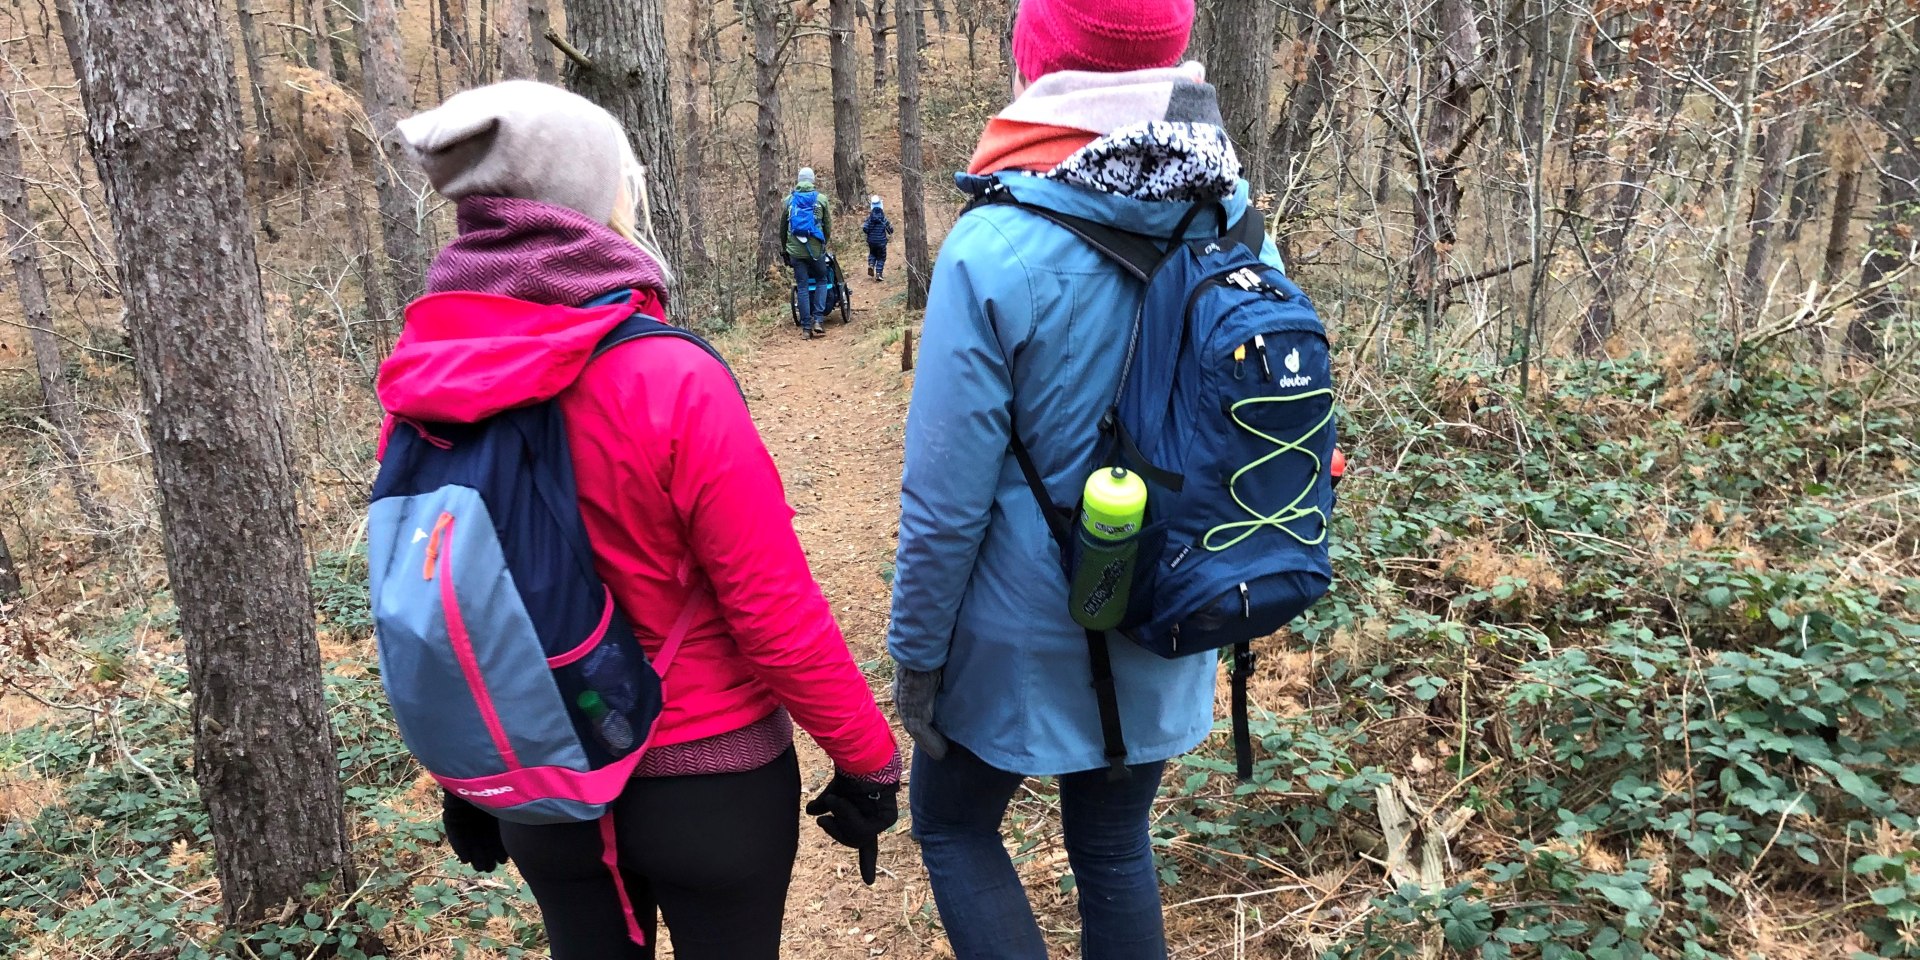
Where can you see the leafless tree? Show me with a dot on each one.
(1893, 246)
(513, 36)
(539, 24)
(1240, 66)
(766, 18)
(257, 88)
(62, 413)
(222, 454)
(849, 161)
(880, 31)
(907, 24)
(400, 188)
(620, 62)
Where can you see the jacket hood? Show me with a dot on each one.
(464, 357)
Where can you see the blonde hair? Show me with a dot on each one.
(629, 220)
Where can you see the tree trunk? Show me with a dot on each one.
(698, 25)
(453, 41)
(913, 202)
(70, 35)
(337, 43)
(1846, 195)
(23, 249)
(223, 460)
(1006, 35)
(939, 17)
(1807, 177)
(879, 45)
(539, 23)
(1743, 108)
(849, 165)
(1293, 136)
(627, 42)
(1448, 133)
(9, 578)
(1240, 62)
(434, 30)
(514, 36)
(1892, 246)
(1764, 224)
(257, 90)
(353, 211)
(765, 17)
(1624, 207)
(399, 186)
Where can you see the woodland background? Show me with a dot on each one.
(1622, 657)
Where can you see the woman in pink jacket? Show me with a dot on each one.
(675, 486)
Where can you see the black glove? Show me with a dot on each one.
(854, 813)
(473, 834)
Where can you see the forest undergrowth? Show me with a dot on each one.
(1622, 667)
(1623, 655)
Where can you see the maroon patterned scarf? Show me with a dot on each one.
(540, 253)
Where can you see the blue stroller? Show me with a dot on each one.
(839, 297)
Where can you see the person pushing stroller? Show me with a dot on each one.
(809, 228)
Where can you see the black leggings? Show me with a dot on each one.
(712, 853)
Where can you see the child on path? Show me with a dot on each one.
(672, 476)
(878, 230)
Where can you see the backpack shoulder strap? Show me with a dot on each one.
(1137, 254)
(1250, 230)
(641, 327)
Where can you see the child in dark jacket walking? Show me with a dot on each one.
(878, 230)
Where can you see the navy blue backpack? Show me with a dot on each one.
(1226, 410)
(514, 677)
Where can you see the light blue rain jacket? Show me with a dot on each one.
(1025, 317)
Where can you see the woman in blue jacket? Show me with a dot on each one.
(1026, 330)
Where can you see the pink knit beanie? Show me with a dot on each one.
(1101, 36)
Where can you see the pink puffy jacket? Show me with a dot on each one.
(672, 475)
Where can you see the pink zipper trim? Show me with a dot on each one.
(593, 640)
(609, 855)
(463, 648)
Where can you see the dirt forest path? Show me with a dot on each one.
(832, 410)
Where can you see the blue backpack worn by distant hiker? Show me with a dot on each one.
(1225, 408)
(514, 677)
(803, 217)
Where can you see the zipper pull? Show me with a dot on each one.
(1260, 347)
(1240, 362)
(433, 545)
(1246, 602)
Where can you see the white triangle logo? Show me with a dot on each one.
(1293, 361)
(419, 534)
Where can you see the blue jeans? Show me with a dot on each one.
(957, 806)
(813, 309)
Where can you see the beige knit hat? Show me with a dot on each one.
(524, 139)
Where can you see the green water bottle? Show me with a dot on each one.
(613, 728)
(1111, 508)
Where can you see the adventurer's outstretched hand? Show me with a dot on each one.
(854, 812)
(473, 834)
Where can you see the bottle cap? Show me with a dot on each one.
(1114, 503)
(589, 701)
